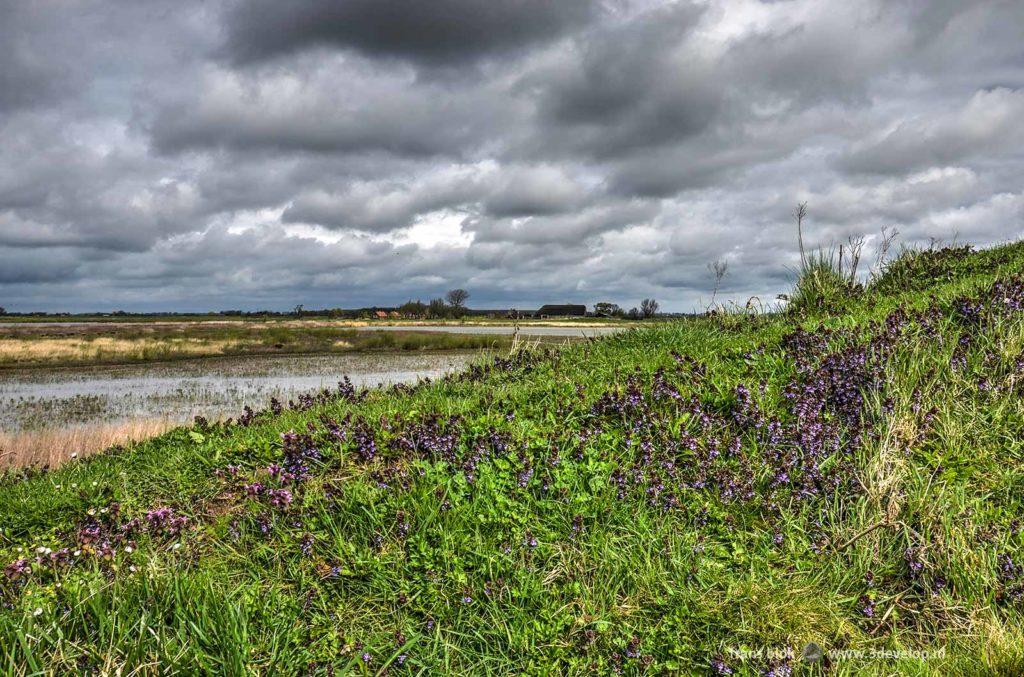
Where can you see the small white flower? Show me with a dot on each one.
(132, 568)
(90, 512)
(175, 546)
(95, 484)
(129, 549)
(38, 611)
(74, 454)
(77, 553)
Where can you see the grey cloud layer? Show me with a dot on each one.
(441, 31)
(187, 155)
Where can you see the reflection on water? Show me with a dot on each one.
(212, 388)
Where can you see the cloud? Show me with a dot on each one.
(307, 111)
(991, 122)
(371, 206)
(27, 77)
(437, 32)
(191, 155)
(631, 85)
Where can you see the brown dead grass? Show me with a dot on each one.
(53, 447)
(16, 351)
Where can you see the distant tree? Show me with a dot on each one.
(607, 308)
(413, 308)
(457, 298)
(633, 314)
(3, 311)
(648, 307)
(437, 308)
(297, 311)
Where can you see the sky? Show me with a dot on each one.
(253, 154)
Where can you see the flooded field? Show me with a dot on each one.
(56, 412)
(181, 390)
(71, 388)
(577, 331)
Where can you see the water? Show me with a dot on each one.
(500, 329)
(214, 388)
(576, 331)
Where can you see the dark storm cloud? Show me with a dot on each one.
(440, 31)
(181, 154)
(632, 85)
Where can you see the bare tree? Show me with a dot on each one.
(718, 268)
(855, 243)
(888, 238)
(457, 298)
(801, 212)
(648, 307)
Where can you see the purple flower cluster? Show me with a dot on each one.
(345, 392)
(19, 568)
(434, 438)
(912, 558)
(867, 606)
(521, 362)
(1011, 578)
(276, 497)
(165, 521)
(719, 666)
(299, 453)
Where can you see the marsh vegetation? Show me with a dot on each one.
(47, 416)
(86, 343)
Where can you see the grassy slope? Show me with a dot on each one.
(607, 525)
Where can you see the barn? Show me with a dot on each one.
(567, 310)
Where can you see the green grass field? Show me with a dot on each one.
(707, 496)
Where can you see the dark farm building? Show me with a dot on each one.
(552, 310)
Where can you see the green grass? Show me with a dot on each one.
(821, 285)
(608, 555)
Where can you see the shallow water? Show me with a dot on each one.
(179, 391)
(577, 331)
(501, 329)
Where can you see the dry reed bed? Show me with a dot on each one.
(14, 352)
(55, 446)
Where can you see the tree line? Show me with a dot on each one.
(648, 308)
